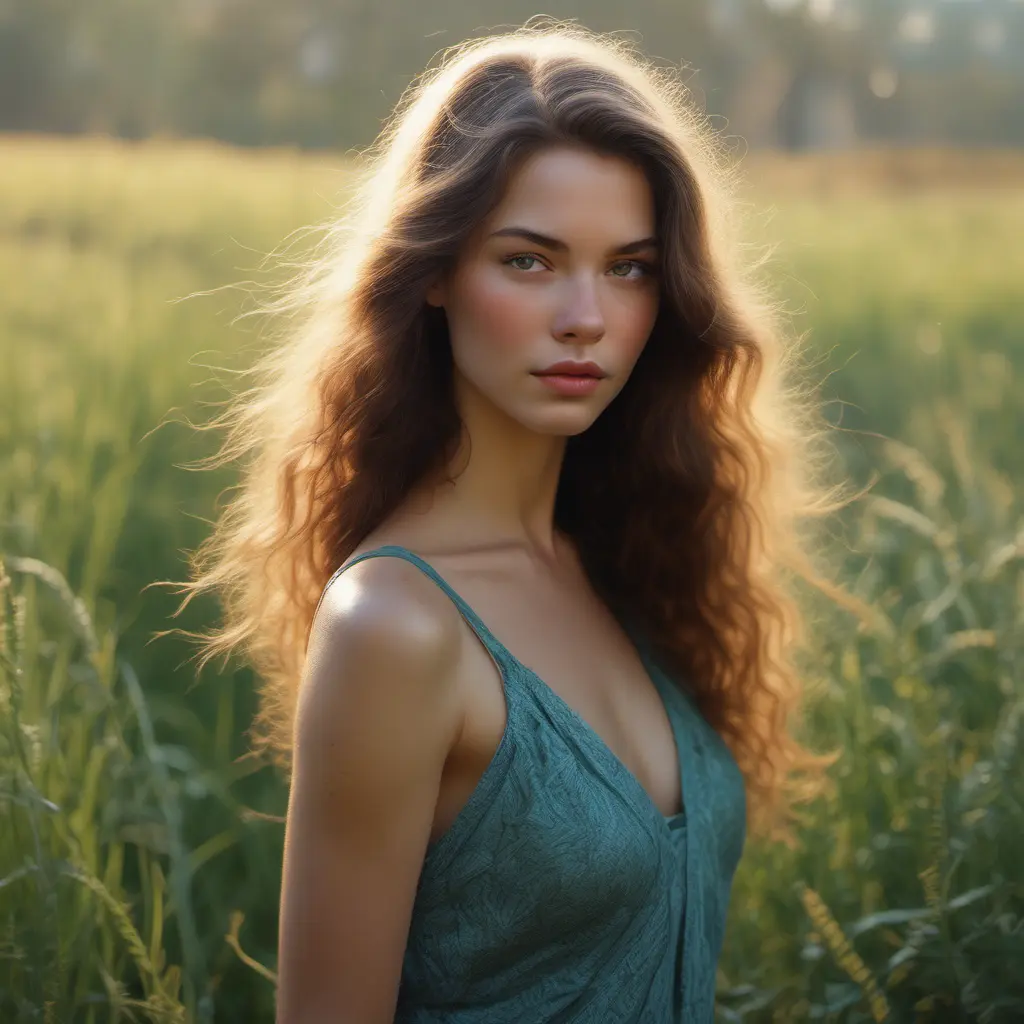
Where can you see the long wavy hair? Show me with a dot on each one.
(688, 499)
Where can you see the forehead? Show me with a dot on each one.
(577, 195)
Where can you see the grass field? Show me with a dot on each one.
(139, 845)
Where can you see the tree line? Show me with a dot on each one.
(324, 73)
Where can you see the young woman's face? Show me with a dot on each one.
(565, 268)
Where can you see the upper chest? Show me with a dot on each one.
(567, 637)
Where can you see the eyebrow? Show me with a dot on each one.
(557, 245)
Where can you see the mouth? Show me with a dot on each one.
(573, 376)
(570, 383)
(570, 369)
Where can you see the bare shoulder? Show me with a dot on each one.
(382, 620)
(378, 714)
(387, 595)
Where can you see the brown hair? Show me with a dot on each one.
(687, 498)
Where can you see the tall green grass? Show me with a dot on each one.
(913, 850)
(134, 827)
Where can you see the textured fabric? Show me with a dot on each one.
(561, 894)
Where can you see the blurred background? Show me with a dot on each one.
(161, 162)
(796, 74)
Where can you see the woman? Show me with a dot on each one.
(529, 482)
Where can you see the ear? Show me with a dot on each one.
(436, 294)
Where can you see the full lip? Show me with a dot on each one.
(568, 368)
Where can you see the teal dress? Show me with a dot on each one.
(561, 894)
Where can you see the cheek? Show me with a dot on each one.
(635, 321)
(497, 316)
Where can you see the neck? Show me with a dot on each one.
(504, 479)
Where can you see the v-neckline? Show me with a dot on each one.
(669, 822)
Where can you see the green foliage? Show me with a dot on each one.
(80, 798)
(317, 73)
(137, 836)
(913, 847)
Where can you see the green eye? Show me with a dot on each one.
(513, 260)
(644, 268)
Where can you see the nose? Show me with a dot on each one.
(580, 317)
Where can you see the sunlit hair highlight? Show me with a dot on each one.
(690, 497)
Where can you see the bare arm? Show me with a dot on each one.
(377, 716)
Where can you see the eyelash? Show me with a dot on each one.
(647, 268)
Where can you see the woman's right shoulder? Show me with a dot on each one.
(384, 627)
(378, 714)
(385, 596)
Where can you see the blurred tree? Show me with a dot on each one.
(36, 81)
(797, 73)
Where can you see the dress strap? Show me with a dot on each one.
(487, 638)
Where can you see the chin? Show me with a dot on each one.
(565, 423)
